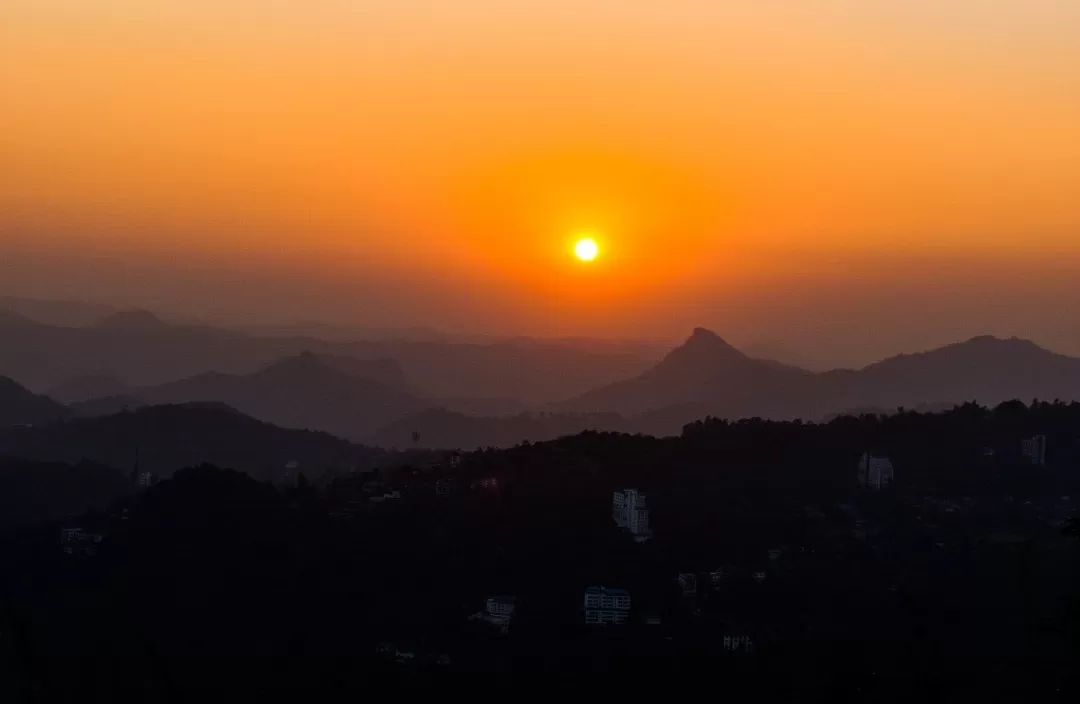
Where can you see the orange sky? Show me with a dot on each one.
(718, 150)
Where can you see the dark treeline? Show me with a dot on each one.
(955, 581)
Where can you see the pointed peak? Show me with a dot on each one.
(707, 339)
(703, 349)
(704, 334)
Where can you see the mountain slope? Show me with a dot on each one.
(140, 350)
(298, 392)
(704, 370)
(83, 388)
(709, 376)
(383, 371)
(986, 369)
(20, 407)
(75, 314)
(168, 438)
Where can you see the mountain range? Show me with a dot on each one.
(136, 348)
(438, 394)
(346, 397)
(707, 376)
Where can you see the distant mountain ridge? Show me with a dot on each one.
(713, 377)
(307, 391)
(137, 348)
(505, 391)
(75, 314)
(85, 388)
(703, 369)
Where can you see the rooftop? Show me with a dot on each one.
(607, 590)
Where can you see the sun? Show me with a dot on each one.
(586, 249)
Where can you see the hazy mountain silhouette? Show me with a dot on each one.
(75, 314)
(706, 371)
(19, 406)
(12, 320)
(168, 438)
(344, 333)
(384, 371)
(306, 392)
(709, 376)
(785, 354)
(83, 388)
(134, 320)
(105, 406)
(985, 368)
(139, 349)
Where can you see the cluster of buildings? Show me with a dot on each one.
(606, 606)
(76, 541)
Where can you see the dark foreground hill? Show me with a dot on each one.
(442, 429)
(955, 580)
(20, 407)
(164, 439)
(50, 491)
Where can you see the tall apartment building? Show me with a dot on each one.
(630, 510)
(875, 473)
(1034, 449)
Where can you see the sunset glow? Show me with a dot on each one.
(586, 249)
(412, 156)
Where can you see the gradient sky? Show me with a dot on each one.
(852, 177)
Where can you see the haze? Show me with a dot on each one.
(844, 178)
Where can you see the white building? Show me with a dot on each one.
(499, 611)
(1034, 450)
(629, 509)
(76, 541)
(875, 473)
(72, 535)
(502, 606)
(688, 583)
(604, 606)
(737, 644)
